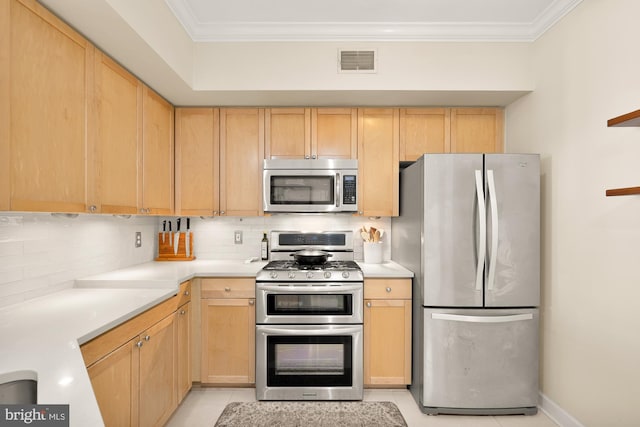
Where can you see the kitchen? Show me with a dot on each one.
(566, 85)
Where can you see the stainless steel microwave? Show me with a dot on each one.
(310, 186)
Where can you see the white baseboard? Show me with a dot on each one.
(556, 413)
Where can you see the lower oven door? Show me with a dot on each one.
(309, 362)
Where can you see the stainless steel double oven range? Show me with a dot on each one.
(309, 320)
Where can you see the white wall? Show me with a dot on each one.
(40, 253)
(587, 70)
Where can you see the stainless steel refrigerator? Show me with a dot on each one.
(469, 229)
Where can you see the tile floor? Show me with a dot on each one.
(203, 406)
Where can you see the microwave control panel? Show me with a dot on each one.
(349, 190)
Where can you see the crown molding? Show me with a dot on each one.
(368, 31)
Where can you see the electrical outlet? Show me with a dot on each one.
(138, 239)
(237, 237)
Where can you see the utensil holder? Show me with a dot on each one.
(372, 252)
(166, 250)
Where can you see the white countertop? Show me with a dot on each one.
(41, 337)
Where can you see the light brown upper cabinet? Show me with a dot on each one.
(378, 161)
(46, 77)
(311, 133)
(198, 161)
(117, 129)
(157, 155)
(477, 130)
(241, 161)
(423, 130)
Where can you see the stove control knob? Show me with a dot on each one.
(274, 274)
(327, 275)
(345, 274)
(309, 275)
(292, 275)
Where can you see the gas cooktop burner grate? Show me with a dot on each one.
(327, 266)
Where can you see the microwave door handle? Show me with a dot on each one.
(338, 185)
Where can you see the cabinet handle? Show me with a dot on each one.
(252, 302)
(182, 312)
(215, 213)
(369, 304)
(314, 156)
(388, 289)
(186, 293)
(147, 337)
(359, 212)
(221, 212)
(93, 208)
(227, 289)
(306, 157)
(139, 344)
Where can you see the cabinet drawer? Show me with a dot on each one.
(387, 289)
(228, 288)
(184, 294)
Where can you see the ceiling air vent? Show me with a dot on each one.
(357, 61)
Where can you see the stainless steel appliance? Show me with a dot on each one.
(310, 186)
(309, 321)
(469, 229)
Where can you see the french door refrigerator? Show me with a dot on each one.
(469, 229)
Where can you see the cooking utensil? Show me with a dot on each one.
(170, 235)
(186, 238)
(164, 229)
(176, 238)
(311, 257)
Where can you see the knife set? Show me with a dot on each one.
(175, 245)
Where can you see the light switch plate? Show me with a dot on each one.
(138, 239)
(237, 237)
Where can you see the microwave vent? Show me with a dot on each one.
(357, 61)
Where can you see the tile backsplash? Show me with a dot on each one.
(213, 238)
(42, 253)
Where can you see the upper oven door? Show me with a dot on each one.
(310, 190)
(291, 303)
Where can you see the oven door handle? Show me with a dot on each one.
(330, 330)
(310, 288)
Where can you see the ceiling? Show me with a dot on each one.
(379, 20)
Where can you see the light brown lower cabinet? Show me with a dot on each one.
(183, 351)
(115, 381)
(158, 381)
(228, 331)
(135, 368)
(387, 332)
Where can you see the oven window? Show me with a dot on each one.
(309, 304)
(318, 361)
(302, 190)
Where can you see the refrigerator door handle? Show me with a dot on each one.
(493, 255)
(482, 222)
(482, 319)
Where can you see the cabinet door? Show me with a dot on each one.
(423, 130)
(158, 373)
(334, 133)
(5, 116)
(114, 379)
(387, 342)
(183, 353)
(287, 133)
(378, 164)
(117, 129)
(477, 130)
(241, 161)
(197, 161)
(228, 341)
(157, 154)
(50, 90)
